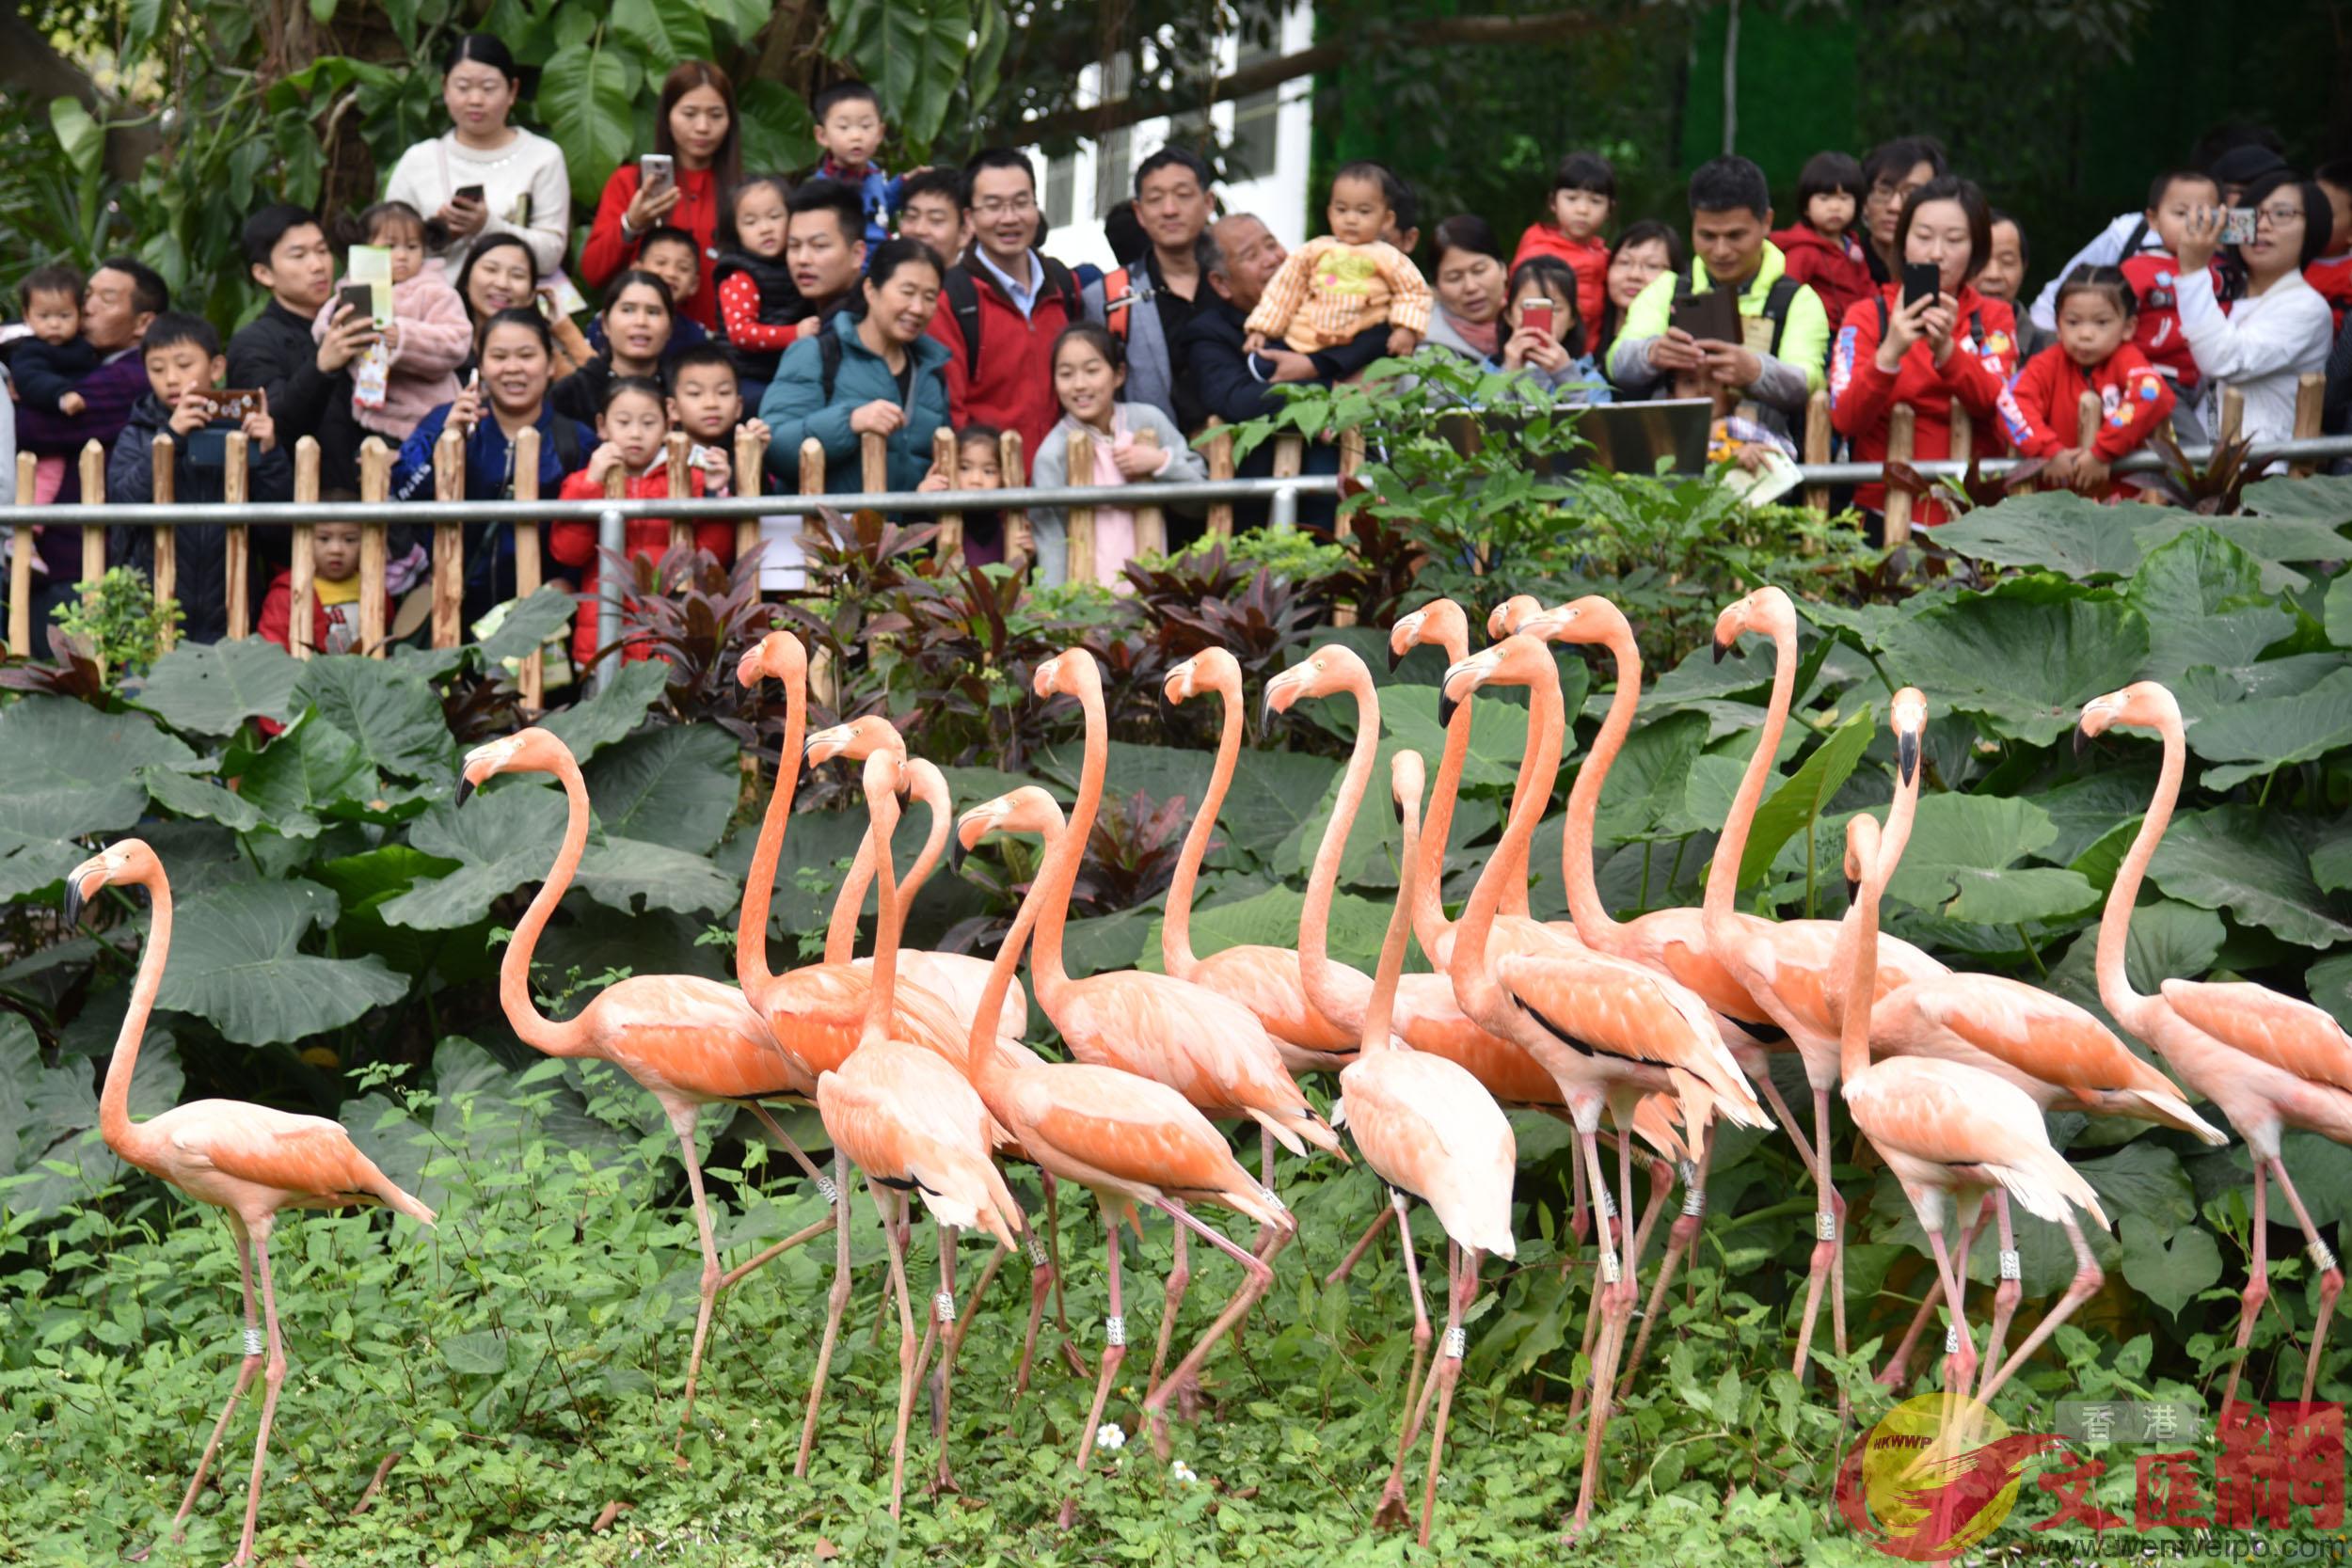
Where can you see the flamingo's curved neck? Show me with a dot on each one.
(841, 929)
(990, 1068)
(1853, 1035)
(1176, 954)
(1430, 926)
(759, 882)
(1046, 964)
(1314, 920)
(1723, 876)
(2130, 1008)
(1474, 983)
(126, 1137)
(883, 822)
(1381, 1008)
(1594, 923)
(538, 1031)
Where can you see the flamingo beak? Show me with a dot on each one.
(1854, 889)
(1907, 755)
(2082, 735)
(1446, 704)
(1722, 646)
(465, 788)
(1396, 657)
(74, 900)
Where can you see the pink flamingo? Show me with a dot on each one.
(1127, 1139)
(1264, 979)
(912, 1123)
(249, 1160)
(688, 1042)
(1948, 1130)
(2270, 1062)
(1609, 1031)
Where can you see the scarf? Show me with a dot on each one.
(1483, 340)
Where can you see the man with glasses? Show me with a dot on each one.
(1002, 306)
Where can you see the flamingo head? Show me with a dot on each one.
(858, 739)
(531, 750)
(778, 653)
(885, 776)
(1439, 624)
(2144, 705)
(126, 860)
(1334, 667)
(1588, 620)
(1405, 781)
(1210, 670)
(1908, 712)
(1072, 672)
(924, 782)
(1862, 850)
(1768, 610)
(1516, 661)
(1027, 810)
(1512, 615)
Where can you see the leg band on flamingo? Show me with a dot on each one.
(2012, 1267)
(946, 1304)
(1457, 1342)
(1952, 1338)
(2322, 1259)
(826, 1190)
(1115, 1331)
(253, 1341)
(1824, 1226)
(1037, 1251)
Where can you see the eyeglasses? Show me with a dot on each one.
(2278, 217)
(997, 207)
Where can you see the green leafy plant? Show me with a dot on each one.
(118, 623)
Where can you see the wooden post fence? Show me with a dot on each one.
(1817, 445)
(948, 545)
(20, 562)
(1078, 525)
(1343, 526)
(2232, 416)
(1963, 443)
(1019, 545)
(303, 563)
(163, 455)
(531, 675)
(1151, 522)
(2088, 414)
(93, 494)
(1902, 426)
(1221, 453)
(376, 486)
(822, 686)
(2311, 394)
(681, 486)
(236, 547)
(751, 456)
(449, 541)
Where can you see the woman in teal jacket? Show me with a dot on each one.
(870, 367)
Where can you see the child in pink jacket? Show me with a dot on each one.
(413, 370)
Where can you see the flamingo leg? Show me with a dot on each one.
(251, 1364)
(1391, 1510)
(1363, 1245)
(683, 1120)
(2257, 1282)
(797, 1155)
(2330, 1277)
(1114, 1352)
(963, 1320)
(837, 1303)
(1608, 1227)
(1053, 1276)
(2011, 1287)
(1898, 1372)
(273, 1378)
(1260, 1279)
(1959, 1361)
(1828, 1249)
(1609, 1286)
(1179, 1280)
(1580, 1216)
(1462, 1267)
(951, 1330)
(1681, 1237)
(892, 1235)
(2086, 1280)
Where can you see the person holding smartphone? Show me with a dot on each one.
(1931, 341)
(483, 176)
(696, 160)
(2280, 326)
(1546, 343)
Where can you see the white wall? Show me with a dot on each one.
(1277, 193)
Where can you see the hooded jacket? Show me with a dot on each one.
(1838, 270)
(796, 407)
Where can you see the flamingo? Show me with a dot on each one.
(2269, 1062)
(249, 1160)
(1428, 1129)
(1264, 979)
(1947, 1128)
(1785, 970)
(911, 1122)
(688, 1041)
(1609, 1032)
(1126, 1138)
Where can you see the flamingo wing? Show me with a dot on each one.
(903, 1116)
(696, 1035)
(1429, 1129)
(1207, 1047)
(1947, 1115)
(817, 1015)
(2294, 1036)
(1109, 1129)
(309, 1160)
(1612, 1004)
(1266, 981)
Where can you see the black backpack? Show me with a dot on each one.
(1777, 299)
(964, 298)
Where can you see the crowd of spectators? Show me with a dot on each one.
(859, 301)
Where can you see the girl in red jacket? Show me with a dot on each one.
(633, 432)
(1583, 197)
(1819, 250)
(695, 126)
(1954, 348)
(2096, 313)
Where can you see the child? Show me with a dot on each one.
(671, 255)
(1583, 197)
(705, 403)
(2095, 353)
(1553, 358)
(413, 370)
(184, 364)
(1088, 371)
(2172, 201)
(1821, 249)
(930, 208)
(757, 302)
(46, 365)
(334, 595)
(978, 467)
(632, 431)
(2332, 275)
(1331, 289)
(850, 129)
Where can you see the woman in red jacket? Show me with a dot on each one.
(633, 432)
(1953, 349)
(696, 126)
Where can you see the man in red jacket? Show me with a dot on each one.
(1002, 304)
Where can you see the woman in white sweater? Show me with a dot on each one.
(2282, 328)
(525, 188)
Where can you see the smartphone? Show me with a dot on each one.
(1712, 317)
(473, 194)
(2238, 226)
(1921, 280)
(354, 296)
(1535, 315)
(653, 172)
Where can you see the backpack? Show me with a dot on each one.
(1125, 287)
(964, 298)
(1777, 299)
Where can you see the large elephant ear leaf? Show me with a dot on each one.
(2251, 863)
(2024, 659)
(67, 770)
(389, 711)
(2056, 530)
(1961, 862)
(235, 962)
(2203, 600)
(211, 687)
(675, 787)
(610, 716)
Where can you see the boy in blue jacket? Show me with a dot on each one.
(850, 129)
